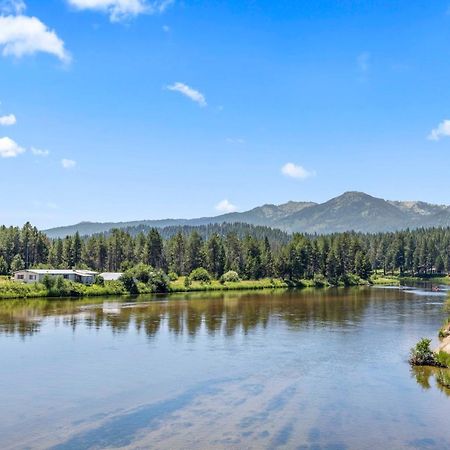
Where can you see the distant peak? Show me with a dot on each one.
(355, 194)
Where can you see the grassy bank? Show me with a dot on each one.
(427, 279)
(15, 290)
(385, 280)
(214, 285)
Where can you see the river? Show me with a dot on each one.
(303, 369)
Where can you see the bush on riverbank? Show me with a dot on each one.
(230, 277)
(200, 274)
(422, 355)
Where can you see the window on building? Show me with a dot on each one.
(32, 277)
(66, 276)
(20, 277)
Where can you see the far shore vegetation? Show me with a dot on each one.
(232, 256)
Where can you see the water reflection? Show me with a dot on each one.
(424, 376)
(225, 313)
(284, 369)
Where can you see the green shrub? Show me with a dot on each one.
(200, 274)
(99, 280)
(421, 354)
(319, 280)
(48, 282)
(141, 272)
(445, 329)
(129, 282)
(158, 281)
(143, 279)
(230, 277)
(349, 279)
(172, 276)
(442, 359)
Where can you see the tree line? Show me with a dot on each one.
(242, 248)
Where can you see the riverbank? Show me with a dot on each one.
(14, 290)
(427, 279)
(439, 359)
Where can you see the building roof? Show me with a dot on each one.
(83, 273)
(111, 276)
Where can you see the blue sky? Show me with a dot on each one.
(116, 110)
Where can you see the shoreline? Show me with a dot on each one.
(110, 289)
(16, 291)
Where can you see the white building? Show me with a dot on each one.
(111, 276)
(37, 275)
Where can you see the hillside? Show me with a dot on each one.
(350, 211)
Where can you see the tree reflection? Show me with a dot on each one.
(217, 312)
(423, 375)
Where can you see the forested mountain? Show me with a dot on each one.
(241, 230)
(266, 215)
(350, 211)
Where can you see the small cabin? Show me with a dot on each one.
(37, 275)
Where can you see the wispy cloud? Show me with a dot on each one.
(239, 141)
(68, 163)
(295, 171)
(226, 207)
(193, 94)
(12, 7)
(23, 35)
(10, 148)
(441, 131)
(39, 152)
(8, 120)
(119, 10)
(363, 62)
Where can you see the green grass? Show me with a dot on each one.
(379, 278)
(428, 278)
(266, 283)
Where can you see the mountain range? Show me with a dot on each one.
(350, 211)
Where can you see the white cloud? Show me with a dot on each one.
(68, 163)
(122, 9)
(23, 35)
(9, 148)
(8, 120)
(13, 7)
(166, 28)
(363, 61)
(225, 207)
(161, 6)
(39, 152)
(236, 141)
(442, 130)
(193, 94)
(295, 171)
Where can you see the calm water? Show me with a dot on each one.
(322, 369)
